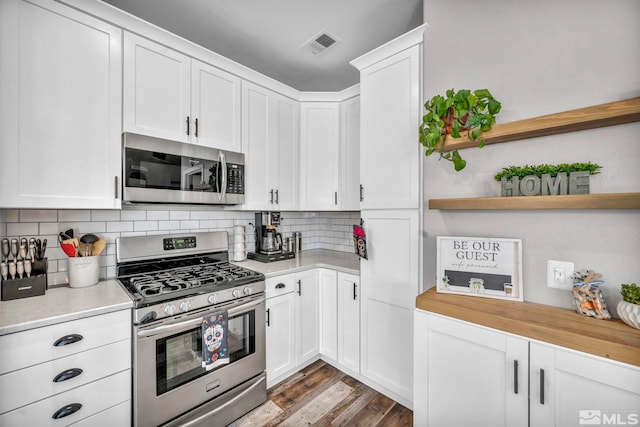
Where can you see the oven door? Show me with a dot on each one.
(169, 379)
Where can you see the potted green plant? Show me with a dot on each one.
(456, 112)
(629, 308)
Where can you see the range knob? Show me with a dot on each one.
(236, 293)
(212, 299)
(247, 291)
(185, 305)
(170, 309)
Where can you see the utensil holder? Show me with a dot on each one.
(84, 271)
(27, 286)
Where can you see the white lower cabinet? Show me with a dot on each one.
(349, 321)
(467, 374)
(68, 373)
(328, 282)
(292, 323)
(281, 328)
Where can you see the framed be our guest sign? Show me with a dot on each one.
(480, 266)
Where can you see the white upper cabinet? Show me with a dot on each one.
(60, 109)
(270, 141)
(169, 95)
(319, 155)
(390, 155)
(215, 107)
(349, 193)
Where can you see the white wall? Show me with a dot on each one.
(540, 57)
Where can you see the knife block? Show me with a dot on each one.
(27, 286)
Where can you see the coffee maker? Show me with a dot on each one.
(268, 239)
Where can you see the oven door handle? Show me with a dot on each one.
(194, 322)
(197, 420)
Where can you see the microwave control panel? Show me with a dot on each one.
(179, 243)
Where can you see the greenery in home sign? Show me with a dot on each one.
(464, 110)
(544, 169)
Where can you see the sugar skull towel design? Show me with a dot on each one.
(214, 340)
(360, 241)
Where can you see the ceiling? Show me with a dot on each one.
(267, 35)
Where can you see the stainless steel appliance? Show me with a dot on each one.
(162, 171)
(269, 243)
(175, 281)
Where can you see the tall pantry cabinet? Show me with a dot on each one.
(391, 209)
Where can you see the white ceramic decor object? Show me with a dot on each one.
(629, 313)
(83, 271)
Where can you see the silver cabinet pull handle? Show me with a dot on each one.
(268, 317)
(196, 132)
(271, 198)
(354, 291)
(277, 197)
(515, 377)
(300, 287)
(188, 125)
(361, 193)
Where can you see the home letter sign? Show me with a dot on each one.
(531, 185)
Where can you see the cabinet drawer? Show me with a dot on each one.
(279, 285)
(93, 398)
(28, 348)
(119, 415)
(19, 388)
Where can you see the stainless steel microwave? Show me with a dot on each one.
(157, 170)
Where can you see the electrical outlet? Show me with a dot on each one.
(559, 274)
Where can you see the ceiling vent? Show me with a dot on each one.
(320, 43)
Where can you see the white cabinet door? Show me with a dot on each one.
(157, 90)
(215, 107)
(389, 285)
(349, 321)
(307, 315)
(390, 155)
(468, 375)
(60, 109)
(284, 148)
(270, 144)
(319, 155)
(349, 192)
(255, 142)
(280, 339)
(328, 313)
(581, 389)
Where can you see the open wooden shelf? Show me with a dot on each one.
(576, 201)
(610, 114)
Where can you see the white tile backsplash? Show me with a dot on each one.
(320, 230)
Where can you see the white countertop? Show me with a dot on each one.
(61, 304)
(314, 258)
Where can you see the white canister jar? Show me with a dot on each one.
(84, 271)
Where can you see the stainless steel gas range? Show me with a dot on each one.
(190, 369)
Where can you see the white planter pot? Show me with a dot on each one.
(629, 313)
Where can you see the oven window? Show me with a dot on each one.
(179, 356)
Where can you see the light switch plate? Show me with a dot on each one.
(559, 274)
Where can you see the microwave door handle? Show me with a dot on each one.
(223, 192)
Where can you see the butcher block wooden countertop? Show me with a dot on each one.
(612, 339)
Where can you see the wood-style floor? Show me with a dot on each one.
(321, 395)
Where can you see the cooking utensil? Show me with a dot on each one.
(5, 250)
(99, 246)
(4, 270)
(69, 249)
(88, 240)
(27, 267)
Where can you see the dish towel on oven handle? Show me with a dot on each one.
(215, 351)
